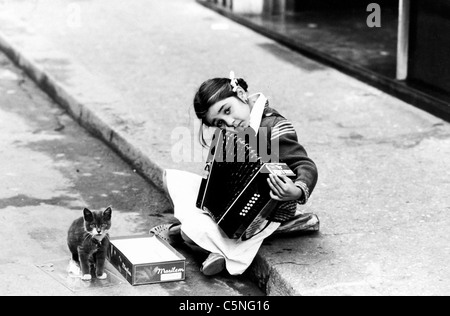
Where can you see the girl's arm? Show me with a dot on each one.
(295, 156)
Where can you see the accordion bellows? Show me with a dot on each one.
(235, 192)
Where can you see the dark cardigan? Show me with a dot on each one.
(294, 155)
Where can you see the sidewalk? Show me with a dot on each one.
(128, 71)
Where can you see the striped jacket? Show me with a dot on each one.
(279, 129)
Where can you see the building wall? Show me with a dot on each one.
(292, 6)
(306, 5)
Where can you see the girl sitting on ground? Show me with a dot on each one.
(226, 104)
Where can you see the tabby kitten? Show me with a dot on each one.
(88, 241)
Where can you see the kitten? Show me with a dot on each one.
(88, 241)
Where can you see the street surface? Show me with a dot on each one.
(51, 169)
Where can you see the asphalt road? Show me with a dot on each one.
(50, 169)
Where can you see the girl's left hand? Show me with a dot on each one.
(283, 188)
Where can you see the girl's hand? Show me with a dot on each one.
(283, 188)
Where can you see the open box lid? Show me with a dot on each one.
(145, 249)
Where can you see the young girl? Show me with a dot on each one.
(225, 103)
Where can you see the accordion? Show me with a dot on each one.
(235, 191)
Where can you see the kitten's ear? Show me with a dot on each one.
(88, 216)
(107, 214)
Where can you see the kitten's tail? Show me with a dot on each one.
(73, 269)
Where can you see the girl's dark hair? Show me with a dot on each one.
(209, 93)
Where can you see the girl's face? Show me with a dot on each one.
(231, 114)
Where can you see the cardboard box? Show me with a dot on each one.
(146, 259)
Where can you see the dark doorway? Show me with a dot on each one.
(429, 63)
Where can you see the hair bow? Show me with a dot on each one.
(234, 81)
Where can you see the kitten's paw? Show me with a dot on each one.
(102, 277)
(86, 277)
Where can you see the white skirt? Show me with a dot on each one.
(198, 225)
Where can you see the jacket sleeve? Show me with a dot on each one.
(285, 145)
